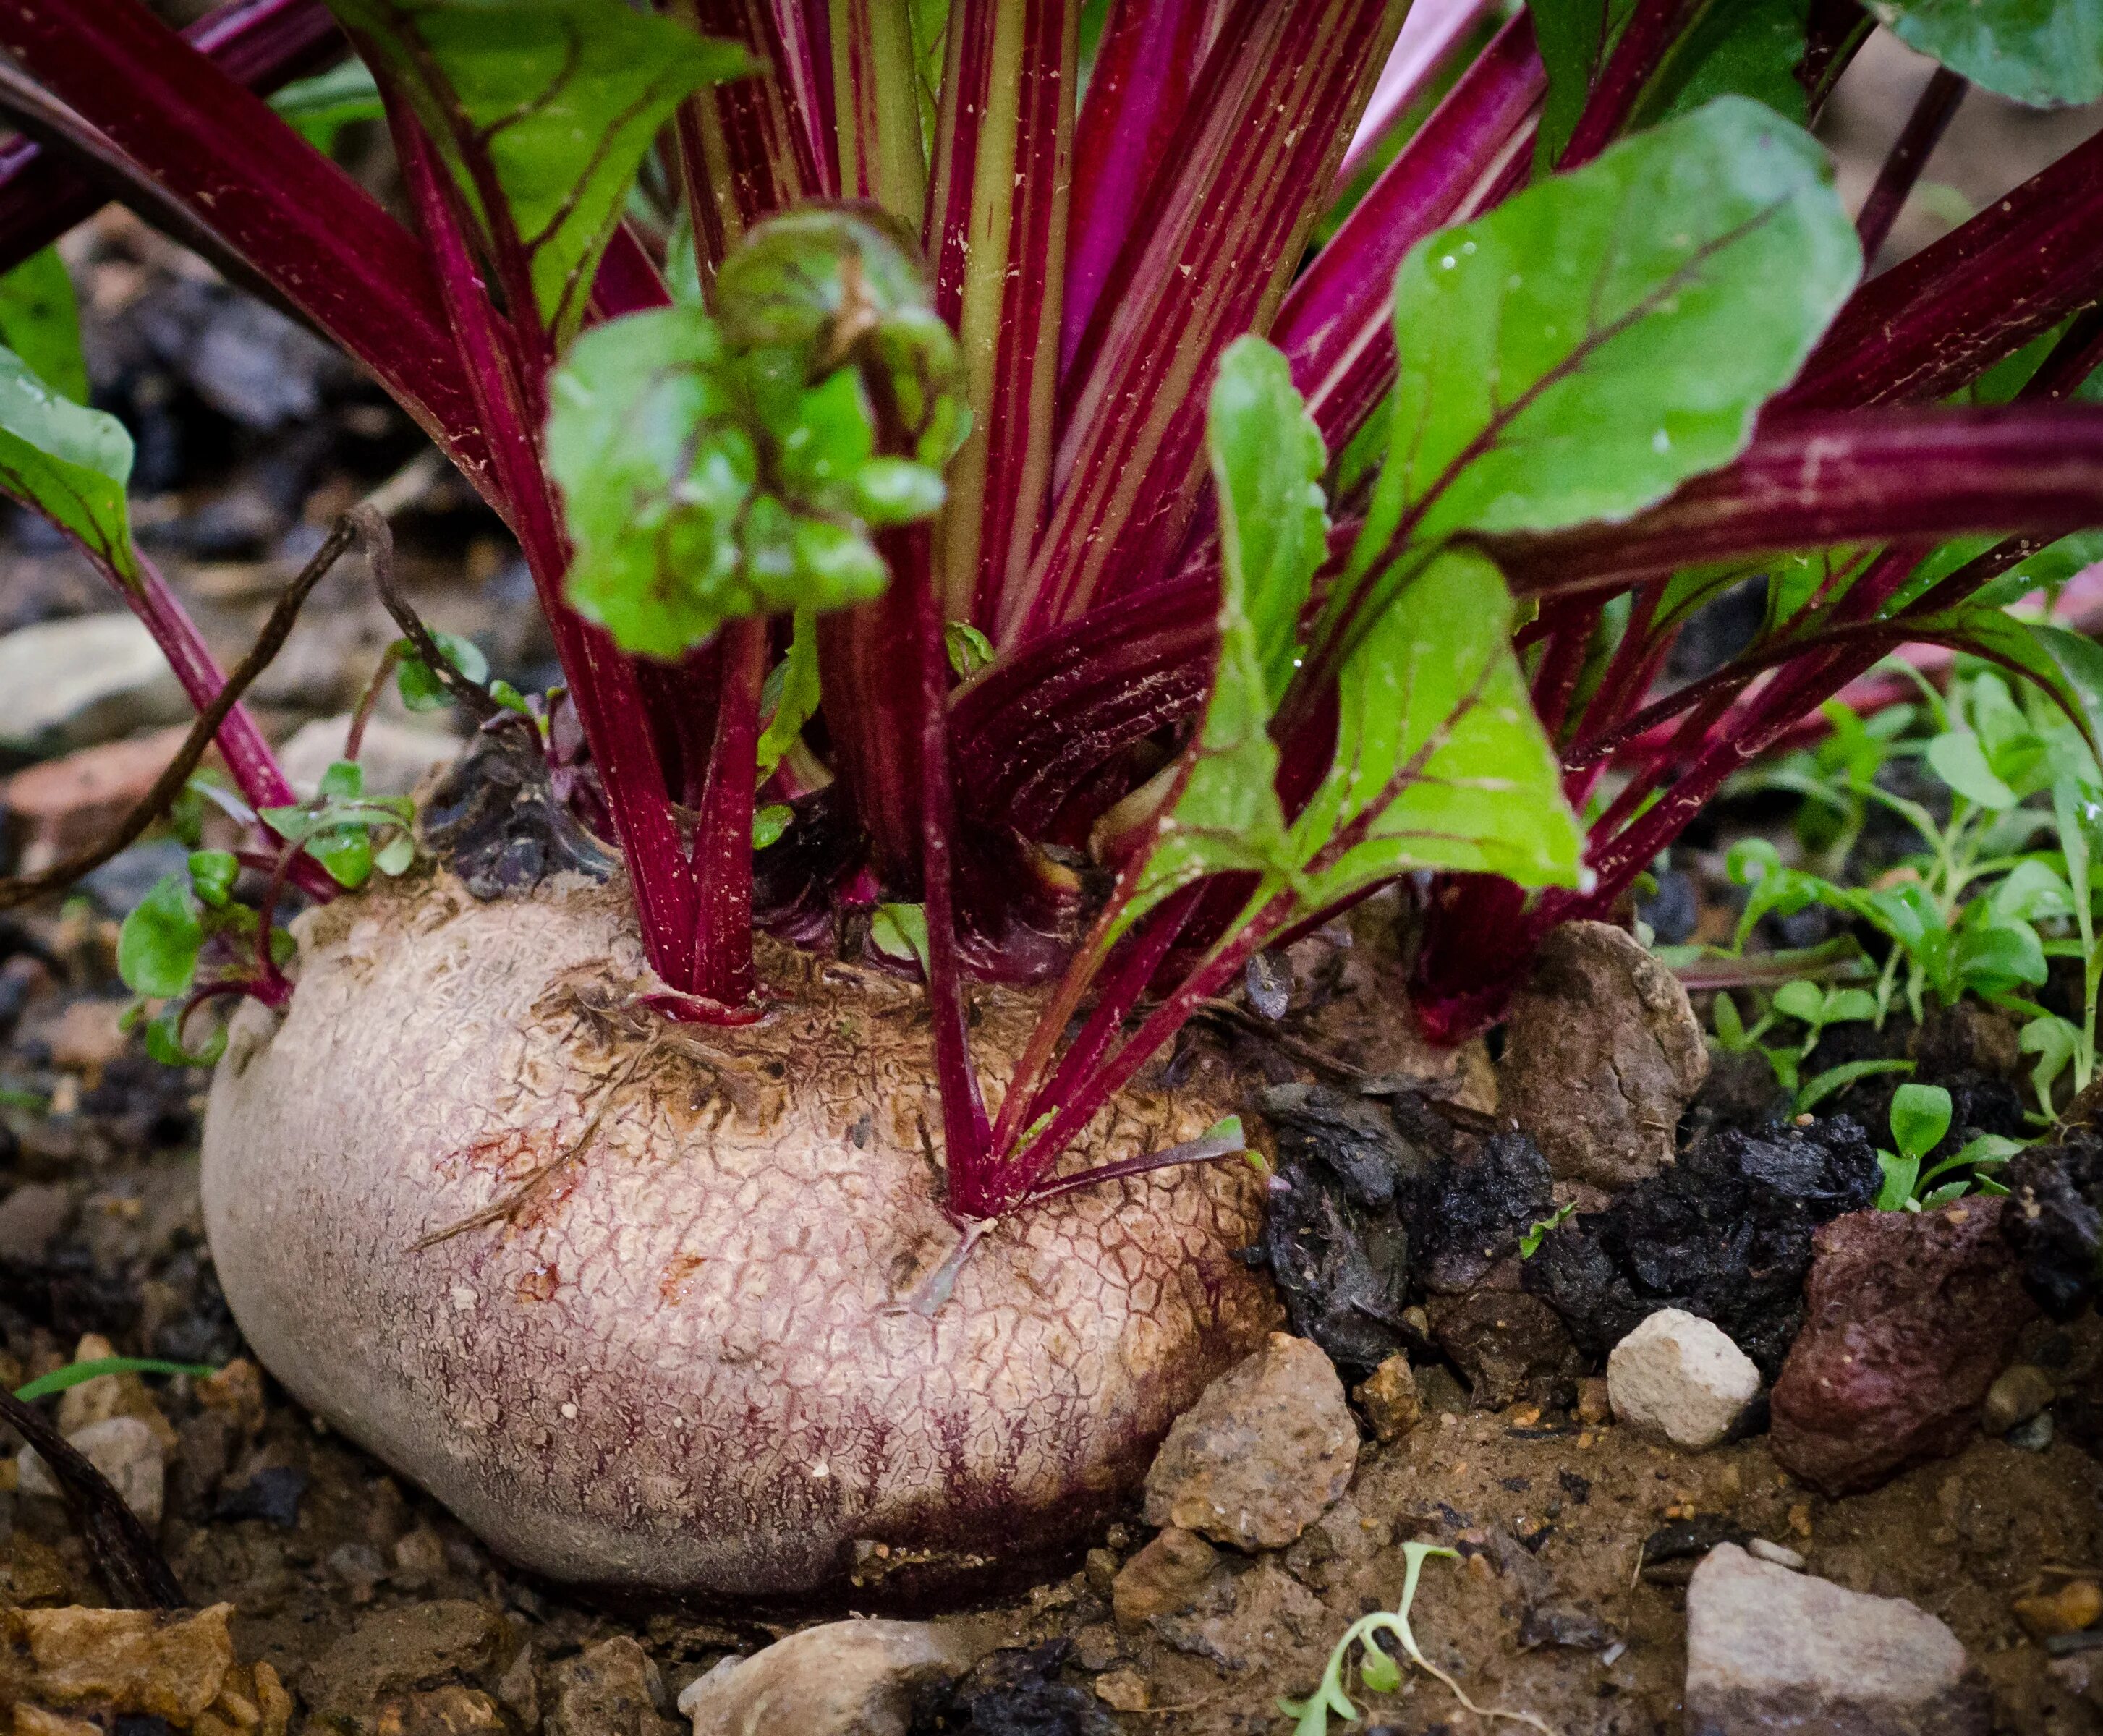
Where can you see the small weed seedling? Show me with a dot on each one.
(1920, 1117)
(1378, 1671)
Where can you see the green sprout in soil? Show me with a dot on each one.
(77, 1373)
(2007, 808)
(1378, 1671)
(1920, 1118)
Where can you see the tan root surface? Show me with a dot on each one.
(662, 1346)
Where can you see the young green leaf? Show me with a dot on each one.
(75, 1374)
(789, 698)
(1900, 1174)
(2045, 53)
(1801, 1000)
(40, 322)
(420, 688)
(1820, 1086)
(1267, 463)
(558, 99)
(213, 875)
(1920, 1117)
(1746, 47)
(900, 931)
(970, 651)
(1602, 337)
(1439, 741)
(68, 463)
(769, 823)
(157, 948)
(1960, 762)
(321, 107)
(1575, 38)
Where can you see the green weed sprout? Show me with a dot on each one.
(1920, 1117)
(1377, 1670)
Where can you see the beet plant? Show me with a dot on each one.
(1006, 577)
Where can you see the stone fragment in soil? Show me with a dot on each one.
(1768, 1650)
(1248, 1621)
(1336, 1235)
(611, 1689)
(1262, 1454)
(76, 683)
(1165, 1578)
(1508, 1346)
(32, 1218)
(394, 1652)
(118, 1661)
(1017, 1691)
(2075, 1606)
(1602, 1055)
(856, 1678)
(65, 805)
(2016, 1395)
(1910, 1317)
(1679, 1380)
(1389, 1399)
(395, 757)
(124, 1450)
(1725, 1233)
(493, 820)
(2054, 1220)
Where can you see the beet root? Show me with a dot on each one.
(626, 1296)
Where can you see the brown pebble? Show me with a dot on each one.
(2017, 1394)
(2074, 1607)
(1592, 1404)
(1389, 1399)
(1123, 1690)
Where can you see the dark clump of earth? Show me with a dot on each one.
(1374, 1207)
(2054, 1221)
(1016, 1691)
(1725, 1233)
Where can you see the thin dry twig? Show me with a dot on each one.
(19, 889)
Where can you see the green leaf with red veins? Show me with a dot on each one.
(40, 322)
(1267, 464)
(1440, 760)
(550, 103)
(68, 463)
(2045, 53)
(1585, 347)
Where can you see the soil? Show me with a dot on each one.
(1577, 1537)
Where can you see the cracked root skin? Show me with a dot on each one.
(675, 1363)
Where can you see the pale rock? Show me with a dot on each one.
(1164, 1579)
(31, 1218)
(2016, 1395)
(611, 1689)
(124, 1449)
(1389, 1399)
(67, 804)
(1262, 1454)
(128, 1661)
(395, 757)
(1769, 1650)
(80, 682)
(1678, 1379)
(857, 1678)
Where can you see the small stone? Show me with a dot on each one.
(1602, 1055)
(34, 1721)
(393, 1651)
(453, 1710)
(1389, 1397)
(358, 1568)
(1262, 1454)
(125, 1661)
(273, 1495)
(1769, 1650)
(237, 1390)
(519, 1689)
(32, 1218)
(612, 1690)
(1165, 1578)
(124, 1449)
(1780, 1554)
(1101, 1571)
(1679, 1380)
(2016, 1395)
(67, 804)
(395, 757)
(420, 1557)
(1123, 1690)
(80, 682)
(2032, 1437)
(88, 1036)
(1594, 1404)
(859, 1678)
(2074, 1606)
(1910, 1317)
